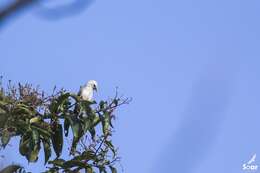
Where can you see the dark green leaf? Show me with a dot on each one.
(66, 126)
(61, 100)
(3, 106)
(43, 130)
(92, 131)
(102, 169)
(113, 169)
(87, 124)
(57, 162)
(75, 163)
(11, 169)
(115, 101)
(22, 109)
(3, 119)
(32, 146)
(89, 170)
(47, 149)
(105, 123)
(24, 146)
(111, 146)
(77, 130)
(102, 104)
(57, 139)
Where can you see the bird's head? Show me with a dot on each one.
(93, 84)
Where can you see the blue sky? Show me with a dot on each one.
(192, 68)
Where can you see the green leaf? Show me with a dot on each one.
(58, 103)
(75, 163)
(43, 132)
(3, 119)
(57, 139)
(115, 101)
(35, 137)
(102, 104)
(32, 156)
(66, 126)
(75, 97)
(3, 106)
(24, 145)
(105, 123)
(47, 149)
(35, 120)
(113, 169)
(21, 109)
(11, 169)
(89, 170)
(102, 169)
(111, 146)
(87, 124)
(77, 130)
(57, 162)
(5, 137)
(92, 132)
(34, 147)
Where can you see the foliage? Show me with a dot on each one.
(45, 121)
(13, 168)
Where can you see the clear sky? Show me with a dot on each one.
(192, 68)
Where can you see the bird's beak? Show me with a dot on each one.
(95, 88)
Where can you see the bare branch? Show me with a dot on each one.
(14, 7)
(58, 12)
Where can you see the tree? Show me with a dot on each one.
(42, 122)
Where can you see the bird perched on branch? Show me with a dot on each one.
(86, 92)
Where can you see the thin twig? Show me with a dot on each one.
(14, 7)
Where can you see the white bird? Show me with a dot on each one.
(86, 92)
(252, 159)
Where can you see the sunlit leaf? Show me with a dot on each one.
(35, 119)
(35, 137)
(5, 138)
(32, 156)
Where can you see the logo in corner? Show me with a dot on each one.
(250, 165)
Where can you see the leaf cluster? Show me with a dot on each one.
(43, 121)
